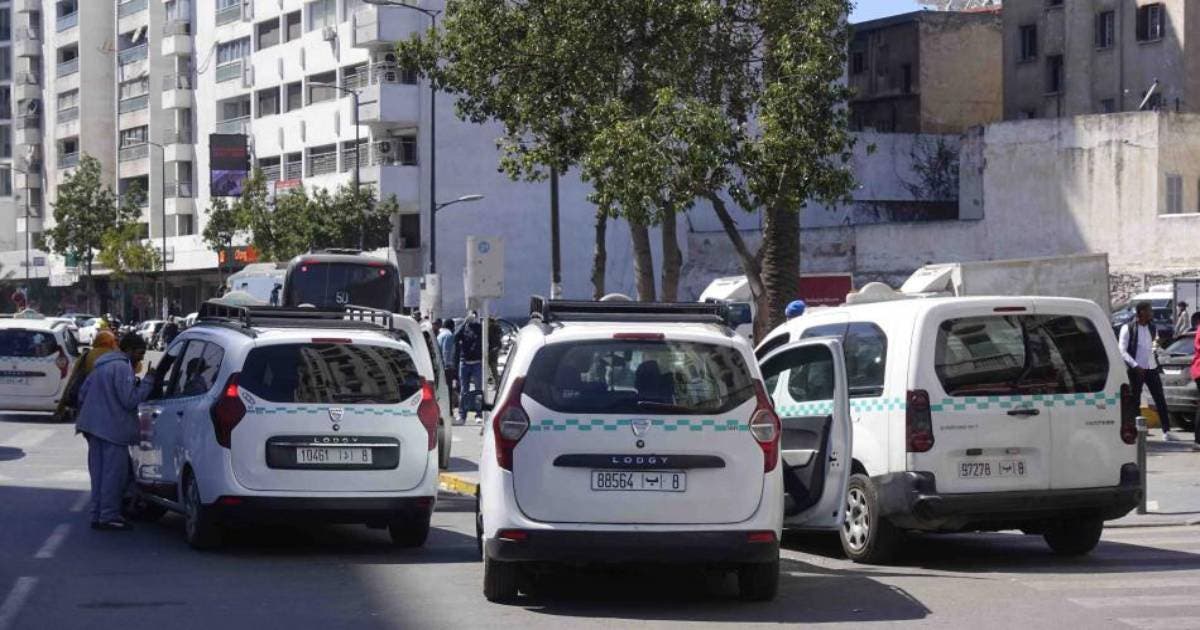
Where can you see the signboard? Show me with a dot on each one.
(431, 295)
(485, 267)
(241, 256)
(412, 292)
(825, 290)
(228, 163)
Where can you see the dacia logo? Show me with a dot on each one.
(336, 413)
(639, 426)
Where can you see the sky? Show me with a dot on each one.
(871, 9)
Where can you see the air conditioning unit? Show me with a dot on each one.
(385, 58)
(391, 76)
(385, 151)
(248, 76)
(329, 33)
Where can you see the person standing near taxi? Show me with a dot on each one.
(1137, 349)
(104, 343)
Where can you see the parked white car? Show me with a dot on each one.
(35, 363)
(976, 414)
(88, 330)
(148, 329)
(634, 432)
(292, 414)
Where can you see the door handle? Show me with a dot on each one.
(179, 413)
(155, 414)
(1024, 412)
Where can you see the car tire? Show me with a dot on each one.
(410, 531)
(137, 508)
(478, 525)
(758, 582)
(867, 538)
(443, 447)
(1074, 536)
(200, 527)
(500, 580)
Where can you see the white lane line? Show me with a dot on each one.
(81, 503)
(15, 600)
(1074, 583)
(29, 438)
(1162, 623)
(1132, 601)
(53, 542)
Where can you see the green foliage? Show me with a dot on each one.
(124, 251)
(85, 211)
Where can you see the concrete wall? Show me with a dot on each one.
(961, 71)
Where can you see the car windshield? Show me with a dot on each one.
(651, 377)
(334, 285)
(27, 343)
(330, 373)
(1185, 346)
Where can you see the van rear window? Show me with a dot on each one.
(27, 343)
(639, 377)
(330, 373)
(1020, 354)
(334, 285)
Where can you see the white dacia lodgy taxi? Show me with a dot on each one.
(634, 432)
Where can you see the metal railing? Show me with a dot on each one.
(178, 190)
(134, 104)
(126, 9)
(177, 81)
(134, 152)
(68, 114)
(233, 125)
(70, 20)
(351, 158)
(29, 122)
(68, 160)
(132, 54)
(68, 67)
(229, 14)
(294, 170)
(356, 81)
(177, 136)
(392, 73)
(270, 173)
(229, 71)
(322, 163)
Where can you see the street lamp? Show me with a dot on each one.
(462, 199)
(432, 14)
(28, 286)
(162, 207)
(357, 149)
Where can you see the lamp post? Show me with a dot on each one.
(162, 207)
(432, 14)
(462, 199)
(28, 286)
(357, 155)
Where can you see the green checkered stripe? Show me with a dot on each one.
(825, 407)
(680, 424)
(1044, 401)
(48, 360)
(347, 411)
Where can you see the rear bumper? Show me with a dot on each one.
(319, 510)
(910, 500)
(686, 547)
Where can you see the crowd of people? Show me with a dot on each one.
(461, 348)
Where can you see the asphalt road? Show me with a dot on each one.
(57, 573)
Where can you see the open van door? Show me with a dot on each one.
(807, 382)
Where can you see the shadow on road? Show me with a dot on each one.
(22, 417)
(10, 453)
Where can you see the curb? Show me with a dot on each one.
(1191, 522)
(451, 482)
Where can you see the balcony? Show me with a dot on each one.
(29, 122)
(229, 14)
(181, 204)
(24, 181)
(234, 125)
(29, 78)
(390, 103)
(177, 38)
(27, 42)
(68, 160)
(397, 180)
(134, 152)
(178, 151)
(68, 21)
(132, 54)
(68, 67)
(29, 135)
(177, 136)
(177, 190)
(134, 104)
(27, 6)
(229, 72)
(270, 173)
(322, 164)
(126, 9)
(177, 91)
(68, 114)
(376, 26)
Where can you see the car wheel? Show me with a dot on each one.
(758, 582)
(443, 447)
(478, 525)
(410, 531)
(500, 580)
(866, 538)
(138, 508)
(1074, 536)
(200, 527)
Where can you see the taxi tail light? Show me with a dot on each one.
(1129, 412)
(765, 427)
(509, 424)
(918, 421)
(429, 413)
(63, 363)
(513, 535)
(228, 411)
(760, 537)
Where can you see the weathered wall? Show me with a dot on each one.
(961, 73)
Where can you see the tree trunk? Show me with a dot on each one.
(672, 259)
(91, 286)
(750, 266)
(780, 266)
(600, 255)
(643, 262)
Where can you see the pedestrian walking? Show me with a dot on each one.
(109, 399)
(468, 348)
(1137, 349)
(1183, 323)
(68, 405)
(445, 342)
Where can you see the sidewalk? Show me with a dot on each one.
(463, 475)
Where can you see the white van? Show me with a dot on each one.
(976, 414)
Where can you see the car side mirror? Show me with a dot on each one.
(474, 401)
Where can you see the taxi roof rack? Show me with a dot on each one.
(620, 311)
(247, 318)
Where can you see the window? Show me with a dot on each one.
(327, 373)
(1054, 74)
(1106, 28)
(268, 33)
(230, 52)
(32, 344)
(1108, 106)
(5, 26)
(1054, 4)
(1174, 194)
(408, 150)
(321, 13)
(865, 347)
(5, 141)
(187, 224)
(322, 93)
(639, 377)
(1018, 355)
(6, 189)
(906, 79)
(168, 371)
(67, 100)
(134, 89)
(234, 109)
(858, 62)
(322, 160)
(1150, 25)
(294, 95)
(881, 60)
(1029, 43)
(336, 284)
(133, 137)
(198, 369)
(268, 102)
(228, 4)
(5, 61)
(410, 230)
(292, 30)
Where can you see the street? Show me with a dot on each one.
(57, 573)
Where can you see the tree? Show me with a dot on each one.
(225, 222)
(124, 247)
(85, 210)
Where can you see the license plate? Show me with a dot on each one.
(14, 380)
(984, 470)
(333, 456)
(18, 373)
(639, 481)
(1171, 372)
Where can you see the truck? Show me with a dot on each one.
(1082, 276)
(815, 290)
(257, 280)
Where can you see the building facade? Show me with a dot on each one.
(1100, 56)
(926, 72)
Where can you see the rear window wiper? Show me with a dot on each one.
(661, 406)
(351, 398)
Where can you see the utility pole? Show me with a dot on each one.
(555, 253)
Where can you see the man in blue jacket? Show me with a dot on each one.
(109, 400)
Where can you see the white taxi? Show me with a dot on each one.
(35, 361)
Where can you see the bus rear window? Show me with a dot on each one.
(335, 285)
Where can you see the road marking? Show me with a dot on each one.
(29, 438)
(81, 502)
(1162, 623)
(68, 475)
(1132, 601)
(15, 600)
(53, 542)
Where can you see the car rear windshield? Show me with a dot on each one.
(1185, 346)
(639, 377)
(27, 343)
(1020, 354)
(330, 373)
(334, 285)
